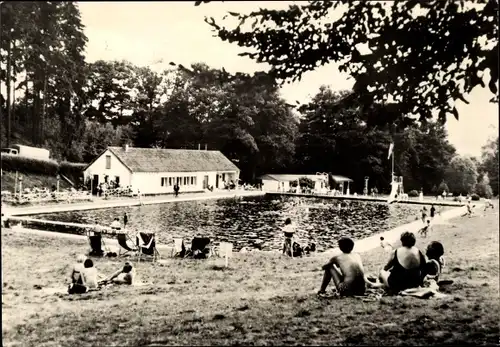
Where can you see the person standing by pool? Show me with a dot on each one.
(288, 231)
(125, 220)
(432, 211)
(424, 214)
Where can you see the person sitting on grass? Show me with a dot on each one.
(115, 225)
(436, 262)
(77, 269)
(346, 270)
(288, 231)
(124, 275)
(405, 268)
(87, 281)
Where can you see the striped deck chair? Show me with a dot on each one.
(146, 244)
(124, 240)
(178, 249)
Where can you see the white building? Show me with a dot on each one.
(155, 171)
(281, 183)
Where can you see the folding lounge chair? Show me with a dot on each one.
(96, 244)
(146, 244)
(178, 249)
(200, 244)
(123, 238)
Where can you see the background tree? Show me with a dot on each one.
(489, 163)
(483, 188)
(375, 43)
(461, 175)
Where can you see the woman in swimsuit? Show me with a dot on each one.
(406, 267)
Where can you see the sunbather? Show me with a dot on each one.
(87, 281)
(436, 262)
(124, 275)
(77, 269)
(115, 225)
(406, 267)
(347, 272)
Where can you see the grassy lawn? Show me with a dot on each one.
(261, 299)
(31, 180)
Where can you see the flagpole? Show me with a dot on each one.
(392, 154)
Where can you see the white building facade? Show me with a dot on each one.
(156, 171)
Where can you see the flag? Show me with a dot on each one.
(391, 149)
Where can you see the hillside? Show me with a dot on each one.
(31, 180)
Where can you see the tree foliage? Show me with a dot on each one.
(424, 54)
(483, 188)
(44, 44)
(461, 175)
(349, 141)
(489, 163)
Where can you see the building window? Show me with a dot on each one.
(108, 162)
(192, 180)
(184, 180)
(162, 181)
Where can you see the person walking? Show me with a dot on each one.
(125, 220)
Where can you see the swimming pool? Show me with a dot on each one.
(253, 222)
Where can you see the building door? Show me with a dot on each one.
(205, 182)
(217, 181)
(95, 183)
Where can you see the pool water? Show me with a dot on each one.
(254, 222)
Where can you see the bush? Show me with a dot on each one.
(474, 197)
(413, 193)
(483, 188)
(29, 165)
(443, 187)
(306, 182)
(74, 171)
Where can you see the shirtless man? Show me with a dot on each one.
(347, 272)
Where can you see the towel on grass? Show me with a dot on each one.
(423, 293)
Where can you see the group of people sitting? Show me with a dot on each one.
(85, 277)
(291, 247)
(407, 268)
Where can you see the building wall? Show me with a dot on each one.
(117, 168)
(151, 182)
(272, 186)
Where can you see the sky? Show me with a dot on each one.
(156, 33)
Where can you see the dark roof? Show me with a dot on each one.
(172, 160)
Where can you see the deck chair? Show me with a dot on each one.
(146, 244)
(96, 244)
(178, 249)
(123, 239)
(199, 247)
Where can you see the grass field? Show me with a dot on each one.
(31, 181)
(261, 299)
